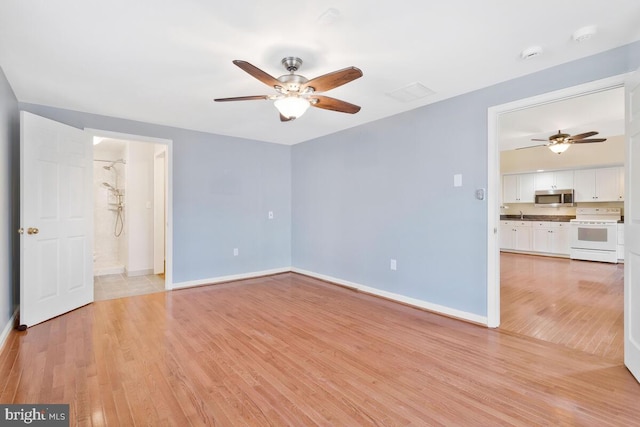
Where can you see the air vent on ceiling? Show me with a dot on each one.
(410, 92)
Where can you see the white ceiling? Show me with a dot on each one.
(602, 112)
(164, 61)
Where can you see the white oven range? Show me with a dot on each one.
(594, 234)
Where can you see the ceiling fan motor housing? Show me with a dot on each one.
(292, 82)
(291, 63)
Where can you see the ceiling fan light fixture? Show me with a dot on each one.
(292, 106)
(559, 148)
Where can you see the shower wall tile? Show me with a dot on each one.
(107, 247)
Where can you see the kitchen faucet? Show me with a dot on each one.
(521, 215)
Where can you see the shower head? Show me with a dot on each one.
(109, 186)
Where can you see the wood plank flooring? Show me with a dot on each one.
(292, 350)
(578, 304)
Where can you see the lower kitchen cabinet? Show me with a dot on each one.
(551, 237)
(543, 237)
(515, 235)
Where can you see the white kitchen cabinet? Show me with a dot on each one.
(554, 180)
(515, 235)
(551, 237)
(541, 237)
(621, 183)
(597, 185)
(518, 188)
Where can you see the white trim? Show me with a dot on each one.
(168, 274)
(7, 329)
(135, 273)
(127, 136)
(493, 176)
(119, 269)
(230, 278)
(436, 308)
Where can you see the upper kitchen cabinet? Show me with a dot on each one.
(598, 185)
(555, 180)
(621, 183)
(518, 188)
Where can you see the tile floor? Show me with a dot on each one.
(113, 286)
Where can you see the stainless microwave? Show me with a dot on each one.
(554, 198)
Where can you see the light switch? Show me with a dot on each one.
(457, 180)
(270, 214)
(393, 265)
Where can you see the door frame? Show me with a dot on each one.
(159, 211)
(168, 274)
(493, 176)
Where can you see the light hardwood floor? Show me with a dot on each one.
(578, 304)
(292, 350)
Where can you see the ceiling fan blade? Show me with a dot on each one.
(538, 139)
(580, 141)
(582, 135)
(286, 119)
(333, 80)
(333, 104)
(258, 73)
(242, 98)
(533, 146)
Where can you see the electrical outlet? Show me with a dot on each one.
(235, 252)
(394, 265)
(270, 214)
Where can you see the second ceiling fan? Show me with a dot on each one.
(560, 142)
(295, 93)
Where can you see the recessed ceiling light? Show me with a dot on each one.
(531, 52)
(584, 33)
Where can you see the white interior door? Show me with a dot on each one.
(56, 217)
(632, 229)
(159, 215)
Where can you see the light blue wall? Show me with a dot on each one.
(223, 188)
(9, 175)
(347, 203)
(385, 190)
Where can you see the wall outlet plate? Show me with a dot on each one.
(480, 193)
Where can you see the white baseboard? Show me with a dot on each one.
(7, 329)
(436, 308)
(134, 273)
(104, 271)
(220, 279)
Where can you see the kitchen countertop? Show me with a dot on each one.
(552, 218)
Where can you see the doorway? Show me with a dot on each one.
(131, 240)
(494, 182)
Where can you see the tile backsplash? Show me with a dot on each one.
(531, 209)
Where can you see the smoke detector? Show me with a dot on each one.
(531, 52)
(584, 33)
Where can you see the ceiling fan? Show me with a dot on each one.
(295, 93)
(560, 142)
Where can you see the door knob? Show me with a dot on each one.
(32, 230)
